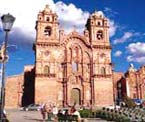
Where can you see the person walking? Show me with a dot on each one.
(43, 111)
(55, 112)
(75, 112)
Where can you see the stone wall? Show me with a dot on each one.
(13, 91)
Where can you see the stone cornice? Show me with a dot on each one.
(101, 75)
(46, 75)
(48, 44)
(102, 46)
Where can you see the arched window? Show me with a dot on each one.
(46, 70)
(71, 58)
(99, 23)
(74, 66)
(103, 71)
(47, 19)
(77, 52)
(47, 31)
(99, 35)
(119, 87)
(88, 65)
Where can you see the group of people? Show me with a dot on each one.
(72, 111)
(50, 112)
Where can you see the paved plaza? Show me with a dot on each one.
(15, 115)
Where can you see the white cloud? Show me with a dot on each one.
(138, 47)
(106, 9)
(140, 60)
(109, 12)
(118, 53)
(25, 12)
(137, 52)
(113, 28)
(125, 37)
(70, 16)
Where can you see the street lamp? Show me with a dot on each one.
(7, 21)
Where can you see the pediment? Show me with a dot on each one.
(76, 36)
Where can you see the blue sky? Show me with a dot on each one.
(127, 28)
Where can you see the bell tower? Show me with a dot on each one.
(47, 26)
(47, 38)
(98, 28)
(46, 44)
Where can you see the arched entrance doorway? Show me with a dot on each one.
(75, 96)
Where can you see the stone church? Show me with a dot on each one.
(73, 68)
(132, 84)
(70, 68)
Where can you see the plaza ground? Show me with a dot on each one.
(15, 115)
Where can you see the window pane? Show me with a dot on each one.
(74, 66)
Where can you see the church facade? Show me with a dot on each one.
(132, 84)
(73, 68)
